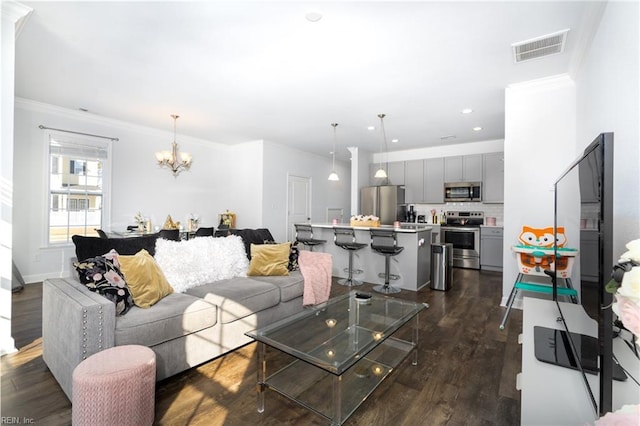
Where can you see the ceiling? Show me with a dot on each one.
(240, 71)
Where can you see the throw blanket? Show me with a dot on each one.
(316, 271)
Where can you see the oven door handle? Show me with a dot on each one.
(459, 228)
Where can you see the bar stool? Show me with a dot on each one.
(385, 243)
(346, 238)
(304, 235)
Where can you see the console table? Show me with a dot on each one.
(557, 395)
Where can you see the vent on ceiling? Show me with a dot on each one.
(538, 47)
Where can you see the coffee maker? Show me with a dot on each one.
(411, 215)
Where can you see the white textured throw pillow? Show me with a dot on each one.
(201, 260)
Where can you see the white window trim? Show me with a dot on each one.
(106, 180)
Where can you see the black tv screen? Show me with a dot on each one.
(584, 208)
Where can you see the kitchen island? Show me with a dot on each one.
(412, 265)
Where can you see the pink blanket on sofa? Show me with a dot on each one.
(316, 271)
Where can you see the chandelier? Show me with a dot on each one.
(170, 159)
(381, 173)
(333, 176)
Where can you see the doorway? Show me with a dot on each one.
(298, 203)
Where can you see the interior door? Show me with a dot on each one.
(298, 203)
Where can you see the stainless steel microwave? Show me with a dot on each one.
(463, 191)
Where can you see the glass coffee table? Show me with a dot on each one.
(341, 349)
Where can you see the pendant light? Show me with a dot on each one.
(381, 173)
(333, 176)
(174, 161)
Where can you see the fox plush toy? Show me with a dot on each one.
(541, 237)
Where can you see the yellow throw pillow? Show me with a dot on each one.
(269, 259)
(144, 278)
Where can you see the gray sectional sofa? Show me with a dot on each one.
(183, 329)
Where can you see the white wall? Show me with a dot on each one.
(280, 161)
(604, 98)
(539, 144)
(245, 181)
(608, 88)
(137, 183)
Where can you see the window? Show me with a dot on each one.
(77, 189)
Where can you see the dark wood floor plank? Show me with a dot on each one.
(465, 374)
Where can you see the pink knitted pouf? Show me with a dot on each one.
(115, 387)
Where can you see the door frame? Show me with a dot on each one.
(290, 233)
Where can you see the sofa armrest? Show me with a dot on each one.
(76, 323)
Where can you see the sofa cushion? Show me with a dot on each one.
(145, 279)
(172, 317)
(291, 286)
(91, 246)
(200, 261)
(238, 297)
(101, 274)
(269, 259)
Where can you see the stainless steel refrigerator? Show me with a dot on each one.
(386, 202)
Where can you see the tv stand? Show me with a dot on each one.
(556, 395)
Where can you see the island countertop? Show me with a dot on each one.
(404, 227)
(411, 268)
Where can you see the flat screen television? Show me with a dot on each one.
(583, 206)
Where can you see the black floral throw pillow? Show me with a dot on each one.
(101, 274)
(293, 257)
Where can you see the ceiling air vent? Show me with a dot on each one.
(538, 47)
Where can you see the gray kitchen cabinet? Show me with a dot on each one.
(493, 179)
(433, 180)
(463, 168)
(491, 248)
(414, 181)
(396, 173)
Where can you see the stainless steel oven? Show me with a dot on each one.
(462, 230)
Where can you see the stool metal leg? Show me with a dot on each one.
(350, 282)
(386, 288)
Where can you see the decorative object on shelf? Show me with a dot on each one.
(170, 158)
(170, 224)
(227, 219)
(434, 217)
(369, 221)
(625, 286)
(144, 223)
(333, 176)
(381, 172)
(194, 222)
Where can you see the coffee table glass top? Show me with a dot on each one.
(336, 334)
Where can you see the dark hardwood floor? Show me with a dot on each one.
(466, 371)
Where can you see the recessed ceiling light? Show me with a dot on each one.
(444, 138)
(371, 128)
(313, 16)
(394, 140)
(467, 111)
(477, 129)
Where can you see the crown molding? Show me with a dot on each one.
(15, 12)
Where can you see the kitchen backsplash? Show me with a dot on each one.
(490, 210)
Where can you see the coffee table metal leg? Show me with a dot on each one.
(416, 323)
(262, 372)
(337, 400)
